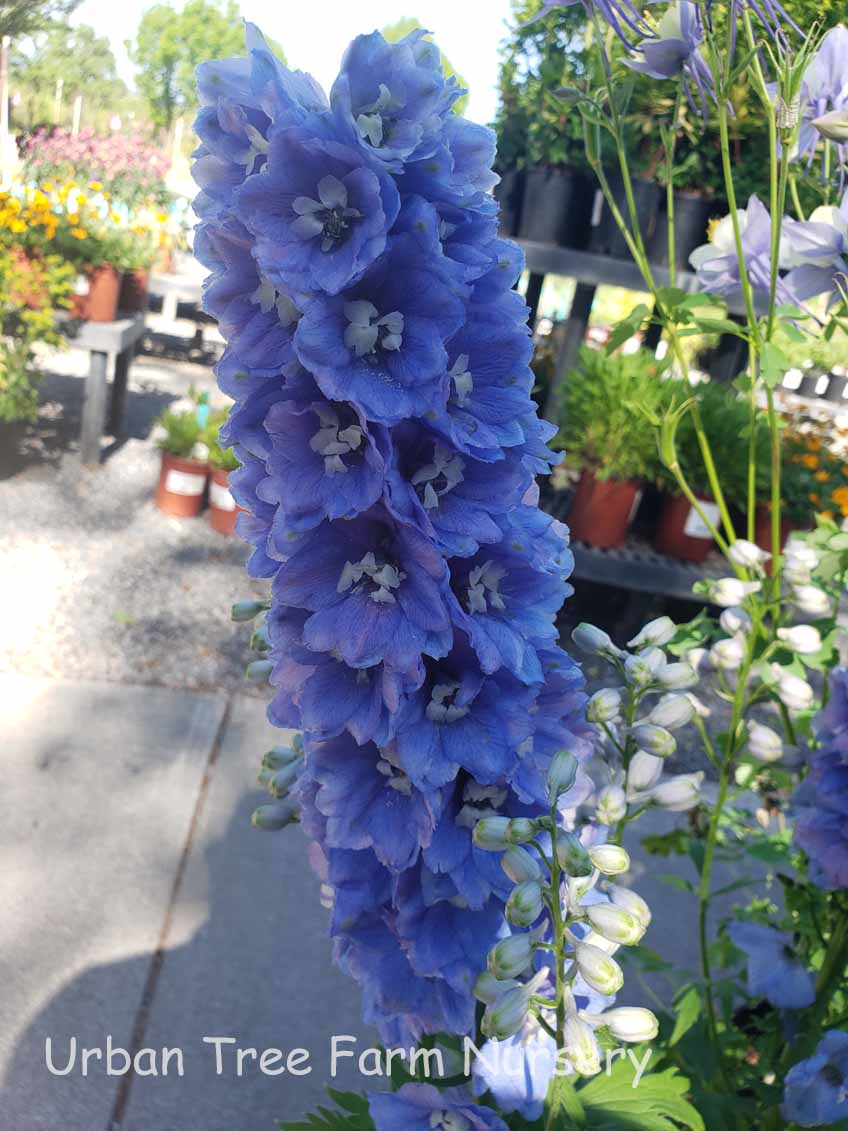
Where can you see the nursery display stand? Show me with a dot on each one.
(104, 340)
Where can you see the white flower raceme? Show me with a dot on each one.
(615, 923)
(679, 793)
(611, 805)
(735, 620)
(794, 692)
(655, 633)
(811, 600)
(642, 669)
(727, 655)
(764, 744)
(730, 591)
(625, 1023)
(672, 712)
(801, 638)
(644, 771)
(747, 555)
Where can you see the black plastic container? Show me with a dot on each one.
(692, 214)
(557, 207)
(606, 237)
(509, 192)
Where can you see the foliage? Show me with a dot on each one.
(353, 1115)
(180, 432)
(608, 403)
(814, 474)
(169, 45)
(26, 17)
(406, 24)
(221, 458)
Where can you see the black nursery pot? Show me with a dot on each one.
(509, 192)
(557, 207)
(692, 214)
(606, 237)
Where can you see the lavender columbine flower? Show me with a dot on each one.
(676, 49)
(816, 1092)
(818, 253)
(773, 971)
(379, 362)
(821, 800)
(623, 16)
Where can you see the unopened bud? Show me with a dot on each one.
(248, 610)
(677, 677)
(644, 771)
(524, 905)
(505, 1017)
(833, 126)
(811, 600)
(488, 989)
(609, 859)
(615, 923)
(612, 805)
(638, 671)
(562, 774)
(764, 744)
(492, 834)
(656, 633)
(594, 641)
(727, 655)
(604, 706)
(729, 591)
(801, 638)
(581, 1047)
(281, 781)
(628, 900)
(734, 621)
(599, 970)
(259, 671)
(520, 865)
(521, 830)
(672, 712)
(747, 555)
(572, 855)
(679, 793)
(271, 818)
(655, 739)
(279, 756)
(794, 692)
(626, 1023)
(510, 957)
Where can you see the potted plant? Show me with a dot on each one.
(607, 433)
(223, 509)
(813, 481)
(138, 256)
(681, 532)
(184, 468)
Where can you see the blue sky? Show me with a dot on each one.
(315, 33)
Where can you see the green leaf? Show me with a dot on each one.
(688, 1010)
(773, 364)
(677, 882)
(354, 1116)
(657, 1103)
(563, 1102)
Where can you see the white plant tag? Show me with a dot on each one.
(184, 482)
(695, 526)
(220, 497)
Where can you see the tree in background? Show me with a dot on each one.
(171, 42)
(26, 17)
(79, 59)
(406, 24)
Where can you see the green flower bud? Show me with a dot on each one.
(259, 671)
(488, 989)
(492, 833)
(610, 859)
(279, 756)
(271, 818)
(510, 957)
(521, 830)
(561, 775)
(599, 969)
(282, 780)
(615, 924)
(520, 866)
(505, 1016)
(626, 1023)
(572, 855)
(524, 905)
(248, 610)
(655, 739)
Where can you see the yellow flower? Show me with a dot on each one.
(17, 226)
(162, 217)
(95, 186)
(809, 461)
(814, 443)
(47, 186)
(827, 514)
(73, 217)
(840, 496)
(79, 233)
(115, 218)
(81, 198)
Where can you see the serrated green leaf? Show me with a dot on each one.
(773, 364)
(687, 1011)
(354, 1117)
(657, 1103)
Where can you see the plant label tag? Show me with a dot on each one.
(637, 499)
(597, 208)
(220, 497)
(695, 527)
(184, 482)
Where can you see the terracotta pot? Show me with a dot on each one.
(181, 485)
(133, 297)
(223, 509)
(681, 532)
(100, 302)
(601, 511)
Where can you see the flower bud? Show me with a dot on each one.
(594, 641)
(599, 970)
(505, 1016)
(735, 620)
(488, 989)
(572, 855)
(271, 818)
(730, 591)
(492, 834)
(628, 900)
(521, 830)
(811, 600)
(281, 781)
(796, 572)
(797, 550)
(248, 610)
(679, 793)
(747, 555)
(793, 692)
(677, 677)
(656, 633)
(604, 706)
(626, 1023)
(610, 859)
(672, 712)
(510, 957)
(524, 905)
(638, 672)
(644, 771)
(615, 923)
(280, 756)
(520, 865)
(258, 671)
(562, 774)
(833, 125)
(580, 1047)
(801, 638)
(612, 805)
(654, 739)
(727, 655)
(764, 744)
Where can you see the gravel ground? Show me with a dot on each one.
(95, 582)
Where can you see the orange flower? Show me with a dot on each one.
(827, 514)
(822, 476)
(840, 497)
(809, 461)
(815, 499)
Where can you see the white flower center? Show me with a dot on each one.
(483, 582)
(441, 708)
(369, 120)
(368, 573)
(448, 1121)
(366, 329)
(258, 147)
(463, 382)
(328, 217)
(439, 477)
(479, 801)
(267, 298)
(333, 442)
(395, 777)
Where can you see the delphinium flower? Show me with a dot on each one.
(421, 1107)
(379, 363)
(816, 1089)
(773, 970)
(821, 800)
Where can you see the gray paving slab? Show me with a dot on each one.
(257, 968)
(99, 786)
